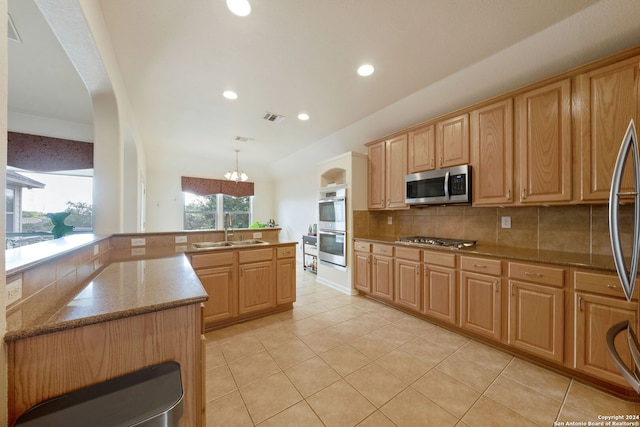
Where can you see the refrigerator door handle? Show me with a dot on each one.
(630, 375)
(628, 147)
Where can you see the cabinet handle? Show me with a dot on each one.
(580, 303)
(523, 194)
(612, 286)
(511, 288)
(479, 266)
(527, 273)
(440, 160)
(509, 194)
(417, 270)
(495, 286)
(431, 163)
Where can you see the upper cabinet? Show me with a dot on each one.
(387, 170)
(422, 149)
(452, 141)
(543, 143)
(492, 154)
(607, 99)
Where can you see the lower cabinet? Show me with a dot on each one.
(480, 296)
(440, 284)
(256, 281)
(219, 281)
(362, 266)
(286, 275)
(382, 272)
(408, 278)
(536, 309)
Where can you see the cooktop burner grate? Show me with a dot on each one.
(437, 241)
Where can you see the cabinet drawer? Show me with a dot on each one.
(545, 275)
(481, 265)
(411, 254)
(439, 258)
(600, 283)
(212, 260)
(382, 249)
(255, 255)
(286, 252)
(362, 246)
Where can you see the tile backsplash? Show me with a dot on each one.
(576, 228)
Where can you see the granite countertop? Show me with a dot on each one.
(567, 259)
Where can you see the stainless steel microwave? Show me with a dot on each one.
(439, 187)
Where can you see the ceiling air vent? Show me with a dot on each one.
(11, 29)
(272, 117)
(243, 139)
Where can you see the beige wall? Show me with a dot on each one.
(580, 229)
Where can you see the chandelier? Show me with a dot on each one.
(236, 175)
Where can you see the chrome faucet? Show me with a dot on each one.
(228, 223)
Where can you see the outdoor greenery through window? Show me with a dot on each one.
(207, 212)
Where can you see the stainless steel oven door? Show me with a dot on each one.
(332, 214)
(332, 247)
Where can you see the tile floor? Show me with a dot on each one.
(339, 360)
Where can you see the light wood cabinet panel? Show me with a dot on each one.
(536, 319)
(422, 149)
(440, 294)
(285, 280)
(408, 283)
(480, 304)
(256, 287)
(382, 277)
(608, 99)
(396, 172)
(362, 271)
(594, 316)
(543, 141)
(376, 169)
(492, 154)
(221, 288)
(452, 141)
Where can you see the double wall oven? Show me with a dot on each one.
(332, 227)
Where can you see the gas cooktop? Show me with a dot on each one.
(437, 241)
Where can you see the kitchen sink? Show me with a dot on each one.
(226, 244)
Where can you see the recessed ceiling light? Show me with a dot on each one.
(303, 116)
(366, 70)
(230, 94)
(239, 7)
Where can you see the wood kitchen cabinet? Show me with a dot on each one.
(492, 154)
(422, 149)
(452, 141)
(440, 286)
(285, 275)
(387, 170)
(362, 266)
(536, 309)
(256, 282)
(608, 99)
(382, 271)
(599, 304)
(408, 278)
(543, 143)
(480, 302)
(219, 282)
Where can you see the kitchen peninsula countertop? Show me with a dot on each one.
(568, 259)
(134, 281)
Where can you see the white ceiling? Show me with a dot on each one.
(288, 56)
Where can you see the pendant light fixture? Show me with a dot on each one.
(239, 7)
(236, 175)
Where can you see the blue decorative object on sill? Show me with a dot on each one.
(59, 227)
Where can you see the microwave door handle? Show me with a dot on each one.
(446, 185)
(629, 147)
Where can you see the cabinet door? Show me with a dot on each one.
(543, 140)
(440, 293)
(376, 164)
(223, 301)
(382, 277)
(422, 149)
(396, 172)
(480, 303)
(608, 98)
(408, 284)
(452, 141)
(594, 316)
(256, 287)
(285, 280)
(536, 319)
(362, 271)
(492, 154)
